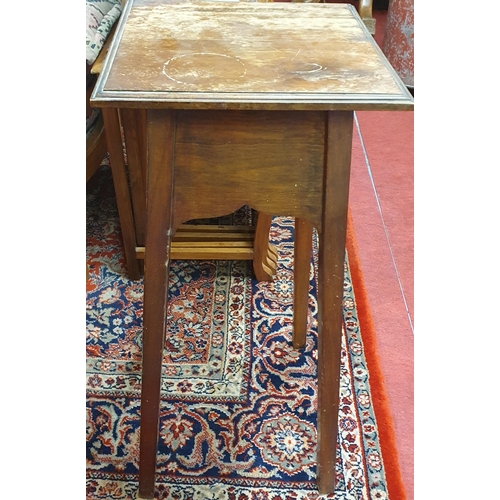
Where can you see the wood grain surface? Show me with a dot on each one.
(269, 160)
(199, 51)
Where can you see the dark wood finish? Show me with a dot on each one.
(212, 177)
(209, 232)
(134, 130)
(123, 197)
(331, 285)
(302, 265)
(264, 95)
(199, 250)
(213, 242)
(265, 255)
(229, 156)
(209, 168)
(161, 137)
(223, 246)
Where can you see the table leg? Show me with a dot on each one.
(120, 181)
(330, 290)
(161, 136)
(301, 267)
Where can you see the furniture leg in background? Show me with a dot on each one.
(122, 191)
(301, 267)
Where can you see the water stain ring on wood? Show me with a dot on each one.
(308, 68)
(195, 68)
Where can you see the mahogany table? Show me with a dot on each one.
(247, 104)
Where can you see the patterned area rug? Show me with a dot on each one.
(238, 415)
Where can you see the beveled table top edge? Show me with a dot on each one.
(224, 100)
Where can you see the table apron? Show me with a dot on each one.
(272, 161)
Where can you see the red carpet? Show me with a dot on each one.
(379, 396)
(381, 202)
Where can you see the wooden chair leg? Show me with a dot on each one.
(122, 191)
(302, 263)
(158, 240)
(265, 255)
(365, 8)
(330, 291)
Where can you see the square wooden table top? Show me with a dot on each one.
(252, 55)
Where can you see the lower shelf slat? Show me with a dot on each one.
(216, 252)
(210, 242)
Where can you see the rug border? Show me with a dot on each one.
(380, 400)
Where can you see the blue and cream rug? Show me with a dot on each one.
(238, 411)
